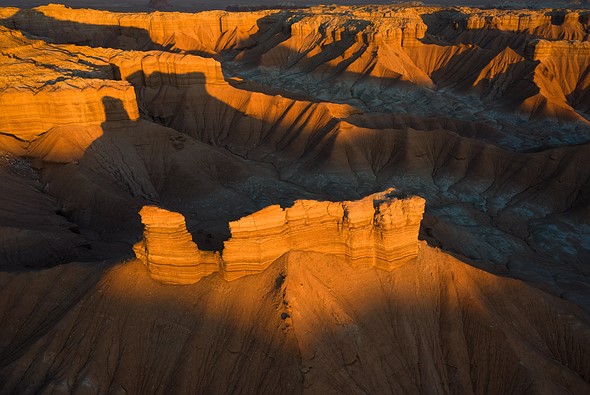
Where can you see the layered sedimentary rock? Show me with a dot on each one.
(311, 323)
(316, 146)
(380, 46)
(559, 24)
(155, 68)
(44, 86)
(545, 50)
(206, 32)
(326, 103)
(26, 114)
(168, 251)
(378, 231)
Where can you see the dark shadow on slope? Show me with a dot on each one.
(138, 162)
(202, 338)
(323, 327)
(327, 154)
(450, 26)
(458, 74)
(72, 32)
(430, 161)
(439, 22)
(33, 233)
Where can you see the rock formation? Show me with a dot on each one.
(168, 250)
(27, 115)
(298, 116)
(378, 231)
(234, 129)
(155, 68)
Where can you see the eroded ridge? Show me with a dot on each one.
(378, 230)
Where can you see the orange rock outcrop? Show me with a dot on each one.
(155, 68)
(43, 86)
(315, 103)
(206, 32)
(27, 114)
(378, 231)
(168, 250)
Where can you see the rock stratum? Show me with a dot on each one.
(376, 231)
(242, 154)
(169, 251)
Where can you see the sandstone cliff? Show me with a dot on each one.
(378, 231)
(206, 32)
(424, 47)
(44, 86)
(26, 115)
(168, 250)
(254, 145)
(155, 68)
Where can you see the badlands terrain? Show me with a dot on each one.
(367, 199)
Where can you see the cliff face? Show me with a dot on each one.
(206, 32)
(379, 46)
(26, 114)
(153, 69)
(229, 133)
(377, 231)
(310, 323)
(168, 250)
(44, 87)
(556, 25)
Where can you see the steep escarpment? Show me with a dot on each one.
(344, 50)
(429, 48)
(376, 231)
(168, 251)
(75, 112)
(43, 87)
(206, 32)
(27, 115)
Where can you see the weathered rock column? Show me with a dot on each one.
(168, 250)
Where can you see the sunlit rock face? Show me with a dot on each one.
(155, 68)
(205, 32)
(377, 231)
(28, 114)
(59, 90)
(168, 251)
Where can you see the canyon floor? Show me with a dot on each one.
(364, 199)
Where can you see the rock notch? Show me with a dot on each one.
(378, 230)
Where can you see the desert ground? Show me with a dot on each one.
(328, 199)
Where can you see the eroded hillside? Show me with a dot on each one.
(250, 135)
